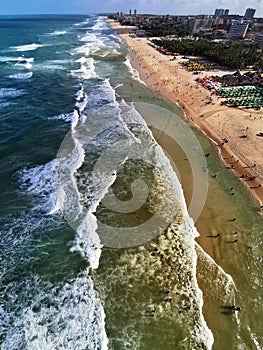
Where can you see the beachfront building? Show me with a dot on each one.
(238, 29)
(259, 38)
(202, 25)
(249, 14)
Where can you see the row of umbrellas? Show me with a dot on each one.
(240, 91)
(249, 102)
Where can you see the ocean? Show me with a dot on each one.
(98, 237)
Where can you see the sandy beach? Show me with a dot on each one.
(242, 155)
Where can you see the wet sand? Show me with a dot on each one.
(167, 77)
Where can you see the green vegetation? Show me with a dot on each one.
(233, 55)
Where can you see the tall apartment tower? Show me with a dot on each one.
(249, 14)
(135, 13)
(238, 29)
(221, 12)
(129, 12)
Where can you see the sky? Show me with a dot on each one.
(172, 7)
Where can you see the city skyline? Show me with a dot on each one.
(172, 7)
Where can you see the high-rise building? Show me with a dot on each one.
(221, 12)
(259, 39)
(238, 29)
(249, 14)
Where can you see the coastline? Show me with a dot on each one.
(203, 110)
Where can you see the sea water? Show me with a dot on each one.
(97, 247)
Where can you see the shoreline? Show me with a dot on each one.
(203, 110)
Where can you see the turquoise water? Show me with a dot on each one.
(81, 267)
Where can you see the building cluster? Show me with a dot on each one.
(220, 25)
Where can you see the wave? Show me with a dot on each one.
(67, 117)
(10, 93)
(39, 181)
(21, 76)
(100, 24)
(75, 116)
(65, 316)
(102, 94)
(57, 33)
(115, 37)
(29, 47)
(87, 68)
(5, 104)
(50, 65)
(18, 61)
(92, 40)
(83, 50)
(34, 312)
(133, 71)
(84, 23)
(68, 197)
(109, 53)
(81, 100)
(178, 244)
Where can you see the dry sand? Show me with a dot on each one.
(168, 78)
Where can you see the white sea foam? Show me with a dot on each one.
(85, 49)
(22, 76)
(81, 24)
(255, 339)
(56, 317)
(75, 116)
(87, 68)
(117, 86)
(133, 71)
(101, 53)
(81, 100)
(100, 24)
(5, 104)
(10, 93)
(115, 37)
(29, 47)
(200, 333)
(71, 200)
(93, 41)
(40, 182)
(42, 315)
(67, 117)
(35, 314)
(50, 65)
(19, 61)
(100, 95)
(27, 63)
(57, 33)
(87, 240)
